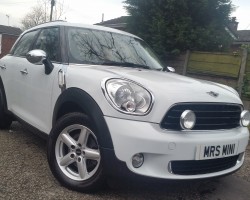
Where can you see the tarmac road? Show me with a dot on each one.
(25, 174)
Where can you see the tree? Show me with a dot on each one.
(171, 26)
(41, 12)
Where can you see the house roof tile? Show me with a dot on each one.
(119, 20)
(9, 30)
(243, 36)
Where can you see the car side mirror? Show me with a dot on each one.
(39, 57)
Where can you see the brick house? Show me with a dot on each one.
(8, 36)
(242, 37)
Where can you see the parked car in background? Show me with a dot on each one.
(106, 104)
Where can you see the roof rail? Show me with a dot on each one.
(59, 20)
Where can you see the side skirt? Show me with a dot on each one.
(32, 128)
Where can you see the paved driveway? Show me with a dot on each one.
(25, 174)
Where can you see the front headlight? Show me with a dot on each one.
(128, 97)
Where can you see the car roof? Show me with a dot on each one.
(93, 27)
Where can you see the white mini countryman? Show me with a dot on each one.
(107, 105)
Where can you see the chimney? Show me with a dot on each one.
(102, 17)
(233, 24)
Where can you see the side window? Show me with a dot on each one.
(48, 40)
(24, 44)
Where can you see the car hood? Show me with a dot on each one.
(167, 89)
(177, 87)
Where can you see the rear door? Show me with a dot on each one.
(11, 67)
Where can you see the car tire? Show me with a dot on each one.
(74, 155)
(5, 119)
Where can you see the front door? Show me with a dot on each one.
(28, 89)
(37, 85)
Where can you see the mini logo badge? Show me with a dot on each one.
(213, 94)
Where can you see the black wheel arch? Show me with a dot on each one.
(77, 100)
(4, 95)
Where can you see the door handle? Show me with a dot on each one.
(2, 66)
(24, 72)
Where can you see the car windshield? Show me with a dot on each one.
(96, 47)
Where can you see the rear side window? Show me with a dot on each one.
(48, 41)
(24, 44)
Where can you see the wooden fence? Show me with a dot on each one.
(219, 64)
(229, 68)
(246, 80)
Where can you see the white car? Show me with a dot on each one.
(107, 105)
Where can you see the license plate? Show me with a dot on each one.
(205, 152)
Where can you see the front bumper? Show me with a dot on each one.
(160, 146)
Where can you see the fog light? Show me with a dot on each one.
(245, 118)
(188, 119)
(137, 160)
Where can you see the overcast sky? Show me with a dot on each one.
(90, 11)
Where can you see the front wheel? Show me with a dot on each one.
(74, 155)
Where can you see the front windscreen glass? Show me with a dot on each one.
(96, 47)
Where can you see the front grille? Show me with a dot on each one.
(209, 116)
(194, 167)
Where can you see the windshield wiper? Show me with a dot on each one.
(125, 64)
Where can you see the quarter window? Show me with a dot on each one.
(25, 43)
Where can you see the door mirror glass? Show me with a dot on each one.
(36, 56)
